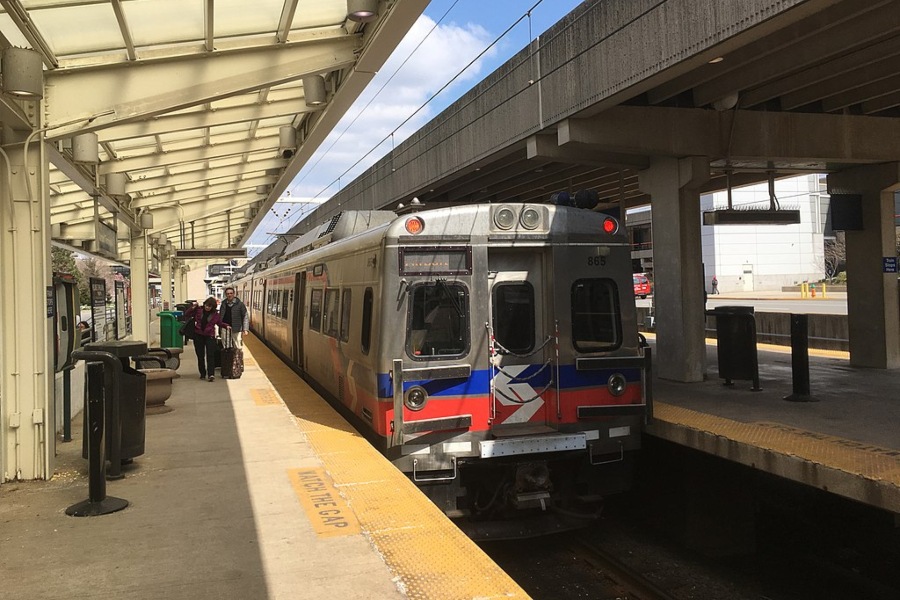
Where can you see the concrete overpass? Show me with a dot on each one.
(661, 101)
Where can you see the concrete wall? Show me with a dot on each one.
(826, 332)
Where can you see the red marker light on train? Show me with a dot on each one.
(415, 225)
(610, 225)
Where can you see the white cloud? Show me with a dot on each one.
(439, 58)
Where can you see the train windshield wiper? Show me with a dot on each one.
(446, 288)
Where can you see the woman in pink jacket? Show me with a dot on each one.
(205, 320)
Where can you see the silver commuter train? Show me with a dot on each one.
(490, 351)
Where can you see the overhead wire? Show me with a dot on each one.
(481, 54)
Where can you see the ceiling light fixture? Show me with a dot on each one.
(362, 11)
(23, 73)
(85, 149)
(314, 90)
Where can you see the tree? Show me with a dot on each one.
(92, 267)
(63, 261)
(835, 254)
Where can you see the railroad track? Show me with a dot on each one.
(633, 583)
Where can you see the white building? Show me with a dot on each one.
(753, 257)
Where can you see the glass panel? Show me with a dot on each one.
(596, 322)
(165, 21)
(67, 28)
(514, 316)
(438, 321)
(315, 310)
(239, 17)
(366, 335)
(332, 299)
(284, 304)
(345, 316)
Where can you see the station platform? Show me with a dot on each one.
(846, 442)
(253, 489)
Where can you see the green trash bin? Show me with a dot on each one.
(168, 330)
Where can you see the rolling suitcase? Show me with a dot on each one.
(232, 357)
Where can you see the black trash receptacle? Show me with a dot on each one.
(736, 345)
(125, 407)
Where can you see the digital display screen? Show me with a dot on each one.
(435, 261)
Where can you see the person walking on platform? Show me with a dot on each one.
(715, 286)
(205, 321)
(234, 313)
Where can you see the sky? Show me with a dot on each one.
(453, 45)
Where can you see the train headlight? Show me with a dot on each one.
(530, 218)
(415, 398)
(504, 218)
(415, 225)
(616, 384)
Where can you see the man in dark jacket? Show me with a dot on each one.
(234, 313)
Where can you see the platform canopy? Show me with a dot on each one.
(197, 112)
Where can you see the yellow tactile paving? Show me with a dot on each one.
(871, 462)
(430, 557)
(265, 397)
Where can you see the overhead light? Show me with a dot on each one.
(262, 189)
(115, 184)
(147, 220)
(314, 90)
(716, 60)
(726, 102)
(85, 149)
(362, 11)
(287, 143)
(23, 73)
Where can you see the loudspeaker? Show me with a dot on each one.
(846, 212)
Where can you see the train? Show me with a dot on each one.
(491, 352)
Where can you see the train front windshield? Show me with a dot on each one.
(438, 321)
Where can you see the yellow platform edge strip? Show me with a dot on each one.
(431, 557)
(871, 462)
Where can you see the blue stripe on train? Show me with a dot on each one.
(479, 382)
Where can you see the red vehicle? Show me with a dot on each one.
(641, 285)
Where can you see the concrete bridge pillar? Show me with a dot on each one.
(873, 305)
(673, 185)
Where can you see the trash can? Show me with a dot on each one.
(736, 345)
(125, 411)
(168, 330)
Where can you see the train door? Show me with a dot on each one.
(263, 308)
(523, 348)
(297, 317)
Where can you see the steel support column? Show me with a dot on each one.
(140, 287)
(27, 406)
(165, 278)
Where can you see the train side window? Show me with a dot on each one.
(438, 321)
(366, 334)
(332, 308)
(514, 316)
(315, 310)
(596, 319)
(284, 304)
(345, 315)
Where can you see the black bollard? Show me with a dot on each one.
(800, 360)
(98, 503)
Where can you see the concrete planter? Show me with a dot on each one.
(159, 385)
